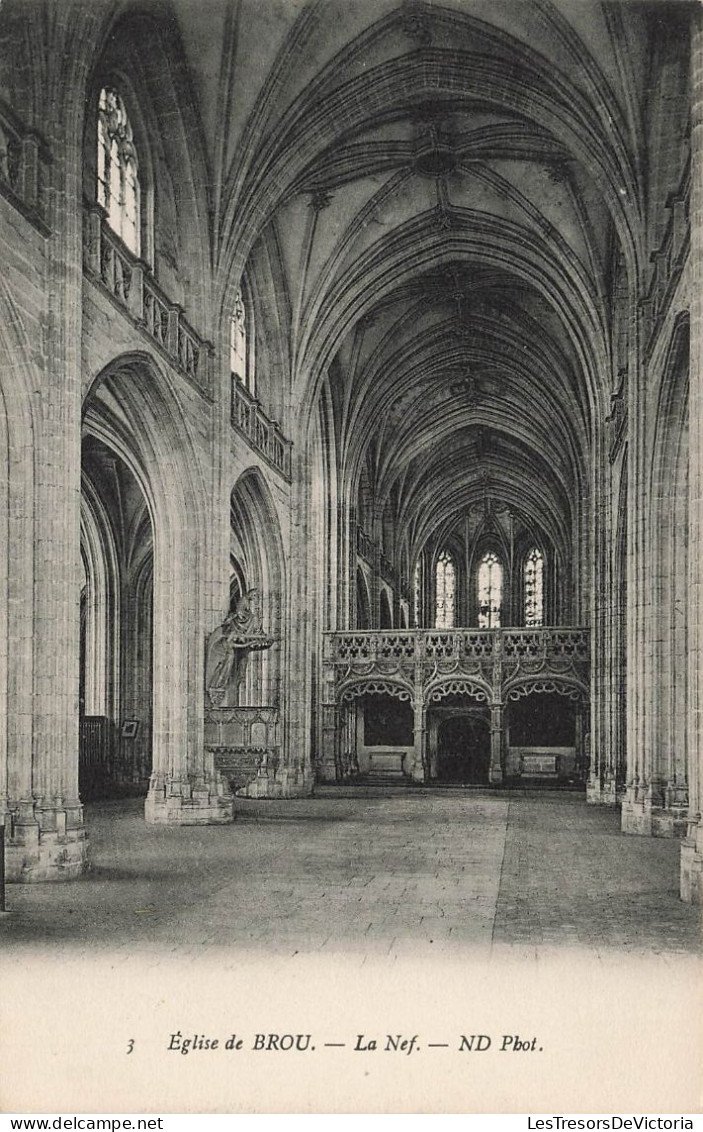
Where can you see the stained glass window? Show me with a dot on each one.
(534, 591)
(118, 174)
(490, 591)
(240, 362)
(445, 591)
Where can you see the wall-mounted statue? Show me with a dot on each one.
(227, 648)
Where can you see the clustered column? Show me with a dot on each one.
(692, 847)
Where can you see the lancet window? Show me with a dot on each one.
(445, 591)
(490, 591)
(118, 169)
(240, 344)
(533, 577)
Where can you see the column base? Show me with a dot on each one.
(636, 815)
(645, 818)
(275, 781)
(601, 792)
(671, 822)
(418, 773)
(326, 772)
(187, 801)
(45, 842)
(692, 864)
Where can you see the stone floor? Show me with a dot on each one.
(377, 873)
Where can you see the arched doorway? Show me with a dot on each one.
(464, 747)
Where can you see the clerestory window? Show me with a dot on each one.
(417, 595)
(445, 591)
(241, 362)
(533, 578)
(118, 169)
(490, 591)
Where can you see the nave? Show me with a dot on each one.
(351, 418)
(367, 874)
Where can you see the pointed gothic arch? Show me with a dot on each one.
(668, 771)
(130, 407)
(258, 548)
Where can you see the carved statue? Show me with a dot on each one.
(228, 647)
(246, 617)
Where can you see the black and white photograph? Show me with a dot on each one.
(351, 585)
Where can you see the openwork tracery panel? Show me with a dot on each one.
(563, 688)
(396, 645)
(457, 687)
(352, 691)
(489, 665)
(440, 645)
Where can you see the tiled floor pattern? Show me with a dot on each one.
(375, 872)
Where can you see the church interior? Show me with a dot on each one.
(346, 351)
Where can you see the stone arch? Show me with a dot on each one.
(264, 283)
(132, 409)
(256, 531)
(101, 659)
(116, 670)
(385, 614)
(363, 601)
(668, 496)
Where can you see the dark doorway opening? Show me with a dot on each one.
(464, 750)
(542, 720)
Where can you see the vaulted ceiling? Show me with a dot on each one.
(447, 190)
(434, 203)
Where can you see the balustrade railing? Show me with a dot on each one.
(262, 433)
(550, 644)
(130, 282)
(24, 161)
